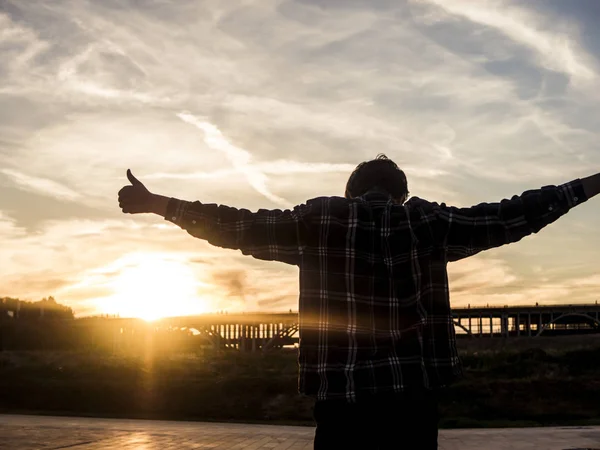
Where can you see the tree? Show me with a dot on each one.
(45, 308)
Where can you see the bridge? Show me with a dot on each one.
(252, 332)
(264, 332)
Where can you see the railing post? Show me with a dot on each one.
(243, 337)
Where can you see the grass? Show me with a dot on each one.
(553, 384)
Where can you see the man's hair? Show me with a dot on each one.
(380, 173)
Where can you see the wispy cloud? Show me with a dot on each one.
(281, 167)
(42, 186)
(555, 47)
(238, 157)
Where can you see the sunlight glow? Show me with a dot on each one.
(152, 287)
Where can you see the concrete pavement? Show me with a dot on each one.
(42, 432)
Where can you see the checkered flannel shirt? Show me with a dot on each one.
(374, 307)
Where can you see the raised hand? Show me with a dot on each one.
(135, 198)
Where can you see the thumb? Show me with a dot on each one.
(133, 180)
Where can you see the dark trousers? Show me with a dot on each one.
(380, 422)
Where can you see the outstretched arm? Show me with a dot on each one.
(266, 234)
(591, 185)
(467, 231)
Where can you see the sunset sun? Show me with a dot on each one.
(153, 287)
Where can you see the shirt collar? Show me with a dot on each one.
(376, 194)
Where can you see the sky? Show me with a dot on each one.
(265, 104)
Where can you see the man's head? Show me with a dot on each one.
(380, 174)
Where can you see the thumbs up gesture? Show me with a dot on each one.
(135, 198)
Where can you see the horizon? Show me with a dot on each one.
(242, 313)
(266, 105)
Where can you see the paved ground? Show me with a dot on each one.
(36, 432)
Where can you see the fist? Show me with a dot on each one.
(135, 198)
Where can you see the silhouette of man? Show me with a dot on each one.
(377, 337)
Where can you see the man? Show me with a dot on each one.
(376, 332)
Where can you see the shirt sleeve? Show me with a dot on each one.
(467, 231)
(273, 235)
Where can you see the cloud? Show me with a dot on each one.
(20, 43)
(475, 274)
(555, 50)
(278, 302)
(281, 167)
(477, 101)
(238, 157)
(233, 282)
(42, 186)
(41, 282)
(487, 279)
(80, 262)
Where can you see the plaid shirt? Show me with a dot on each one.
(374, 299)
